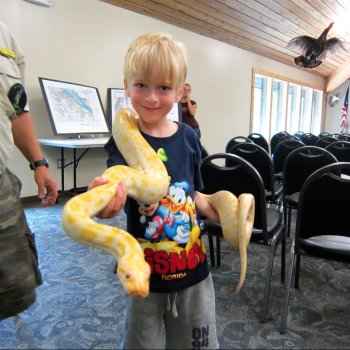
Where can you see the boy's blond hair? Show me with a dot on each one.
(156, 51)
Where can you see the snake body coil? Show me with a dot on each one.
(146, 180)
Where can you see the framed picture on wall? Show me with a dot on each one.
(117, 99)
(73, 108)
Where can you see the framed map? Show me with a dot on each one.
(73, 108)
(117, 99)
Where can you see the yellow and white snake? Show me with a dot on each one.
(147, 181)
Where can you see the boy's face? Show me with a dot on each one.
(152, 100)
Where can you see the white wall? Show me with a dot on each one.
(333, 114)
(85, 41)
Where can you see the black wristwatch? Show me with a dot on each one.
(35, 164)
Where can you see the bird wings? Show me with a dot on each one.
(303, 43)
(334, 44)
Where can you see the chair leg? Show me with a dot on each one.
(218, 251)
(267, 293)
(285, 216)
(297, 272)
(211, 249)
(290, 208)
(284, 316)
(283, 256)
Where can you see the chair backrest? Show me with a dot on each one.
(324, 133)
(259, 158)
(298, 134)
(259, 140)
(309, 139)
(240, 177)
(342, 137)
(282, 151)
(277, 138)
(341, 149)
(235, 141)
(324, 203)
(325, 141)
(301, 163)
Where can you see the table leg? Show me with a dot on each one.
(75, 165)
(62, 169)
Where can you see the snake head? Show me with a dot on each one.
(134, 274)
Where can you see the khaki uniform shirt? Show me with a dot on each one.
(11, 72)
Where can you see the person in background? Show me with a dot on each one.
(189, 109)
(19, 271)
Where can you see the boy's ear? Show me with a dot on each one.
(179, 93)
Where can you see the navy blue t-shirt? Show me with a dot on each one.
(170, 233)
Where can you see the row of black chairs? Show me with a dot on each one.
(323, 140)
(250, 169)
(322, 228)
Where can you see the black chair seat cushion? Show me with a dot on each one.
(273, 217)
(273, 220)
(328, 246)
(278, 188)
(293, 199)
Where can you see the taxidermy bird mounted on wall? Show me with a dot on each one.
(314, 49)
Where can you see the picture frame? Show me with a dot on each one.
(116, 99)
(73, 108)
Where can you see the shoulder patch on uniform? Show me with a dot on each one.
(18, 97)
(4, 51)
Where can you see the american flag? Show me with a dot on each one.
(344, 119)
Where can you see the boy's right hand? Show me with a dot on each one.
(116, 203)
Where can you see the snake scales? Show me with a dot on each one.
(146, 180)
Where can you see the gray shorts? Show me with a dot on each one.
(19, 272)
(180, 320)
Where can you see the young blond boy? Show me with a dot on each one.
(179, 313)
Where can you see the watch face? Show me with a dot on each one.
(37, 163)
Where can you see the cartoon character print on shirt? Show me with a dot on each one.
(172, 218)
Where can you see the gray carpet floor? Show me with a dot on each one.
(81, 304)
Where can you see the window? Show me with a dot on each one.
(280, 105)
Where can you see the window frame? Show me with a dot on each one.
(302, 84)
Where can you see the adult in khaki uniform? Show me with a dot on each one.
(19, 273)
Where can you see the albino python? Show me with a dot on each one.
(146, 180)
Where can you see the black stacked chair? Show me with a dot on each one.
(236, 141)
(338, 136)
(324, 133)
(323, 225)
(277, 138)
(298, 134)
(342, 137)
(309, 139)
(240, 178)
(281, 153)
(341, 150)
(259, 140)
(262, 162)
(299, 164)
(325, 141)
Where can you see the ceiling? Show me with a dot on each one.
(260, 26)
